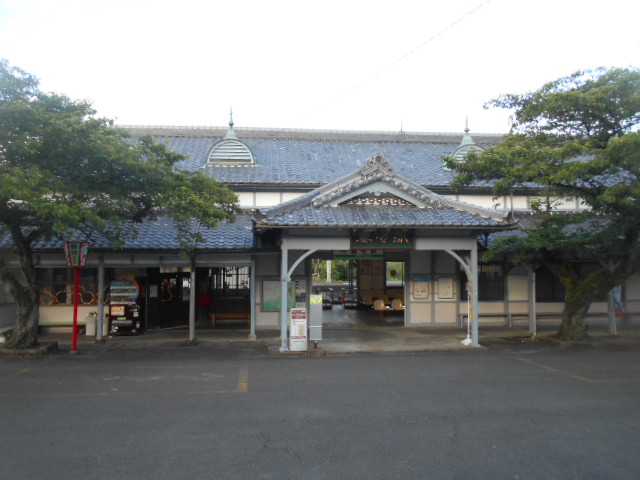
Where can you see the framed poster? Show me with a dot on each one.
(421, 287)
(272, 295)
(445, 287)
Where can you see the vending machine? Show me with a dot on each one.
(125, 312)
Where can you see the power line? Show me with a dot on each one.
(400, 59)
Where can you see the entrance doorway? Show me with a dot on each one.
(221, 291)
(227, 297)
(174, 293)
(359, 291)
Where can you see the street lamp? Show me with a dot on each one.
(76, 253)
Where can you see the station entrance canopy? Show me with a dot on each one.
(373, 210)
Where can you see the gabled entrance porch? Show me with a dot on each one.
(374, 211)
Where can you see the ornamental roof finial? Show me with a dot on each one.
(231, 133)
(467, 139)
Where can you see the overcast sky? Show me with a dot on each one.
(419, 65)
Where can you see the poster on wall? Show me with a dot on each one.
(421, 288)
(445, 287)
(272, 295)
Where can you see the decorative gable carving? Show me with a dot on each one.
(377, 162)
(387, 200)
(374, 184)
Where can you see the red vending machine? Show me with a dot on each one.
(125, 315)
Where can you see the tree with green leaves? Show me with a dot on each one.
(63, 170)
(576, 137)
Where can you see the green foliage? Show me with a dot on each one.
(576, 137)
(572, 137)
(395, 271)
(592, 106)
(339, 270)
(62, 170)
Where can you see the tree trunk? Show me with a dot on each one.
(24, 286)
(573, 326)
(25, 332)
(580, 294)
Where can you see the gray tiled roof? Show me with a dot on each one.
(357, 216)
(316, 158)
(161, 234)
(331, 205)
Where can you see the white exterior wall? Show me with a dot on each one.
(486, 201)
(518, 288)
(446, 312)
(520, 203)
(265, 199)
(63, 314)
(286, 196)
(418, 304)
(246, 199)
(439, 305)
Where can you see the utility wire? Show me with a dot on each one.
(400, 59)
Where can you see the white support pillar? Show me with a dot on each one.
(286, 278)
(284, 297)
(192, 303)
(474, 295)
(470, 266)
(252, 296)
(100, 319)
(611, 298)
(611, 314)
(533, 321)
(507, 297)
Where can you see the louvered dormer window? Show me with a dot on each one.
(230, 150)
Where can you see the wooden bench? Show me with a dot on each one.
(229, 316)
(507, 317)
(61, 327)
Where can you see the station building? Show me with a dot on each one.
(379, 201)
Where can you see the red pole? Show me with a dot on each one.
(76, 289)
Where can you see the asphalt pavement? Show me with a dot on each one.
(155, 407)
